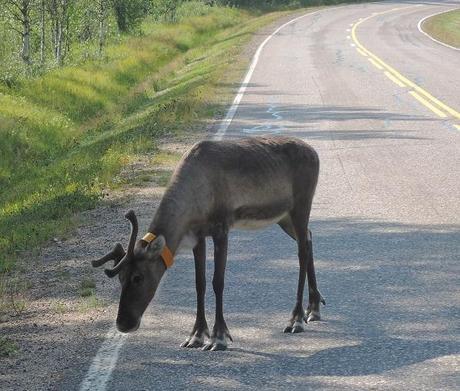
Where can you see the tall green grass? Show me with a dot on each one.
(65, 136)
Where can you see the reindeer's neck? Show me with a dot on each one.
(173, 215)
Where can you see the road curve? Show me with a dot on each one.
(386, 222)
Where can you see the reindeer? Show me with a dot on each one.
(219, 185)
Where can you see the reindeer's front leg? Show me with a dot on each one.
(200, 329)
(220, 331)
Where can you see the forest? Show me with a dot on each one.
(36, 35)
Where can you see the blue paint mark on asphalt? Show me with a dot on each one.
(268, 128)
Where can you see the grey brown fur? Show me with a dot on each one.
(217, 186)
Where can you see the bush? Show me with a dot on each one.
(7, 347)
(165, 10)
(192, 8)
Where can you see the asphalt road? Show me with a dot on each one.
(385, 222)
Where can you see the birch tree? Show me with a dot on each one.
(42, 30)
(102, 12)
(59, 15)
(18, 13)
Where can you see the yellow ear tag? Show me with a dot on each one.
(166, 254)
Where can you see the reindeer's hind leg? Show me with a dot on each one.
(200, 329)
(296, 227)
(314, 296)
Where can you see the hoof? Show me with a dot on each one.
(287, 329)
(298, 327)
(184, 344)
(219, 346)
(208, 346)
(193, 342)
(216, 344)
(313, 316)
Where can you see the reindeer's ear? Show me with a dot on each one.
(156, 247)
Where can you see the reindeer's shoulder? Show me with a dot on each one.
(291, 147)
(215, 150)
(297, 149)
(203, 147)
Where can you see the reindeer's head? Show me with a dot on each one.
(139, 269)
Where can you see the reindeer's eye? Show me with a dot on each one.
(137, 279)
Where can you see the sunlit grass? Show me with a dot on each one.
(90, 303)
(29, 132)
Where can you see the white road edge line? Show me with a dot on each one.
(106, 358)
(420, 23)
(104, 362)
(226, 122)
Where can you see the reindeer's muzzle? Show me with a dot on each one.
(127, 325)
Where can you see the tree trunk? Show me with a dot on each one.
(25, 50)
(59, 12)
(67, 36)
(102, 15)
(59, 43)
(42, 32)
(54, 15)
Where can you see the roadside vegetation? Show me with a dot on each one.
(87, 287)
(7, 347)
(445, 27)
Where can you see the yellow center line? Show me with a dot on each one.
(394, 79)
(424, 102)
(457, 127)
(361, 52)
(398, 75)
(375, 63)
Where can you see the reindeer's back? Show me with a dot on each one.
(253, 155)
(252, 171)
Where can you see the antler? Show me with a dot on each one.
(116, 254)
(131, 216)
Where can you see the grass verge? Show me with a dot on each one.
(7, 347)
(64, 137)
(87, 287)
(444, 27)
